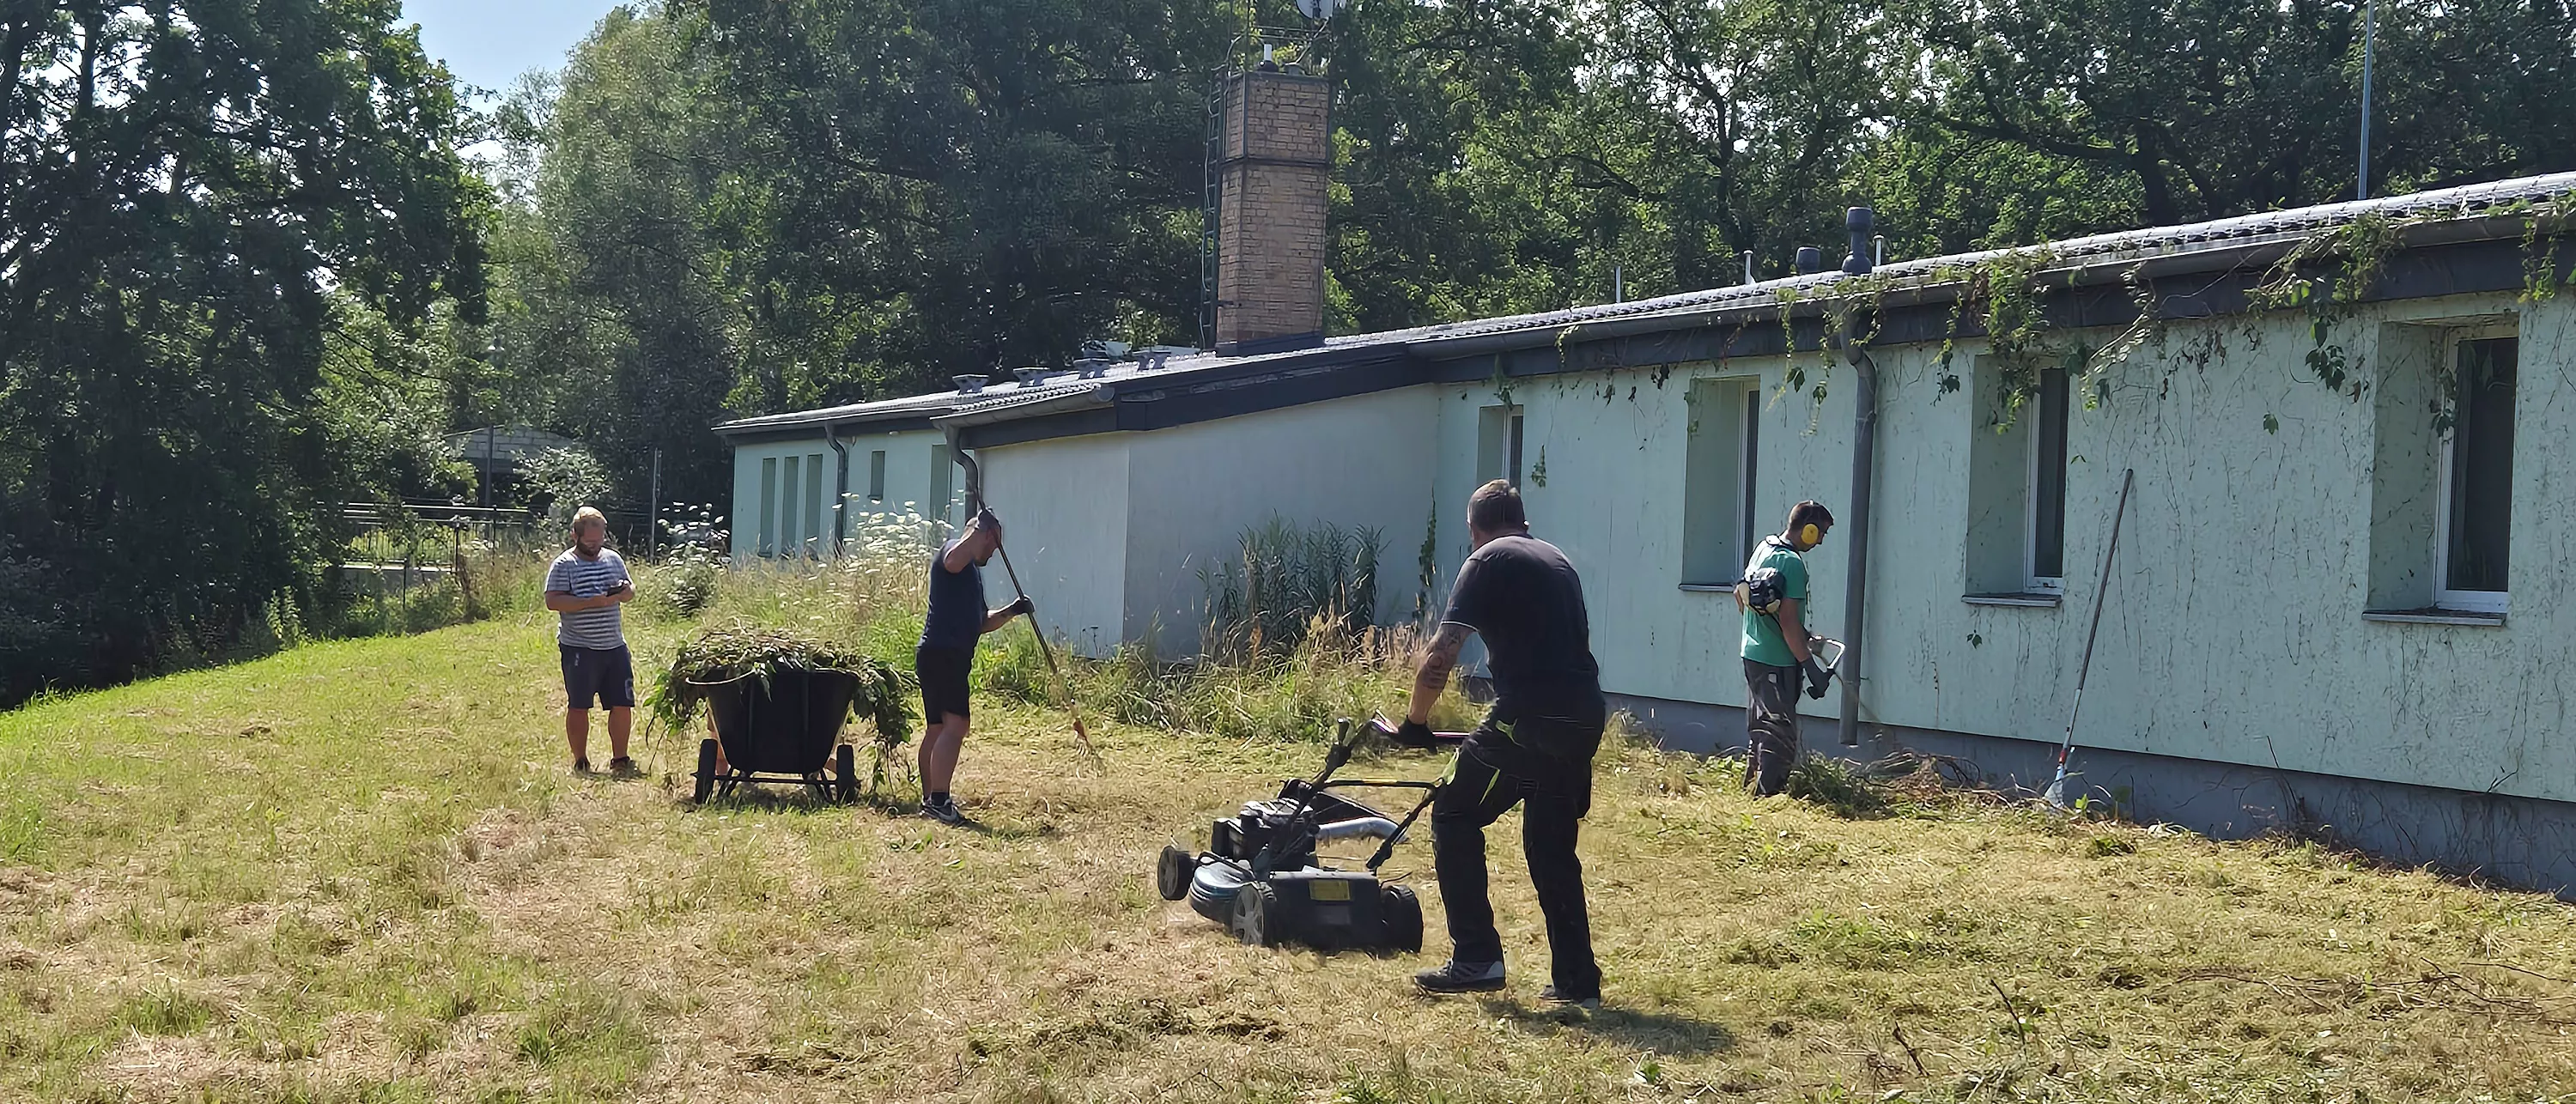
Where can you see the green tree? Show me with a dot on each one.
(188, 190)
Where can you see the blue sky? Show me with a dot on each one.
(491, 42)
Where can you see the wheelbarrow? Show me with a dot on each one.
(784, 726)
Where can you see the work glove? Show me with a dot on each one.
(1021, 608)
(1415, 734)
(1817, 676)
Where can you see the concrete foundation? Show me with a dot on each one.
(2518, 841)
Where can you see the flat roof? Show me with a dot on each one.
(1084, 405)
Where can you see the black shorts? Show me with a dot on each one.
(943, 673)
(607, 674)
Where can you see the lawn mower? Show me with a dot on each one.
(1262, 878)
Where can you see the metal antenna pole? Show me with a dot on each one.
(2369, 40)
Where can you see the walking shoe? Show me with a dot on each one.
(943, 809)
(624, 767)
(1552, 996)
(1457, 977)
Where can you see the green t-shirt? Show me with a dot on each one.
(1762, 643)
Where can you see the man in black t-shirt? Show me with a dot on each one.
(1535, 748)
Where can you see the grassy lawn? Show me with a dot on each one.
(361, 871)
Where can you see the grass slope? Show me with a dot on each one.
(360, 871)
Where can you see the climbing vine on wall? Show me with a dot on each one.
(2327, 275)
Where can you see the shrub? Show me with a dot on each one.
(1288, 581)
(733, 653)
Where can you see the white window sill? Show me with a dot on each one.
(1709, 588)
(2435, 617)
(2038, 601)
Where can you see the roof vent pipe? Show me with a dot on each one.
(1810, 259)
(1858, 223)
(1748, 268)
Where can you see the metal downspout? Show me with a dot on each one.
(1853, 665)
(840, 488)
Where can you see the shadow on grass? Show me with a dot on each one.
(788, 797)
(1660, 1032)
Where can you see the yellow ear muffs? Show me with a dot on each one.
(1809, 535)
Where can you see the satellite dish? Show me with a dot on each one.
(1318, 10)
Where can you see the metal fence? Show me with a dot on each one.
(419, 539)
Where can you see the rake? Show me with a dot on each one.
(2056, 792)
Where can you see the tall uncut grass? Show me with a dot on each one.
(1269, 683)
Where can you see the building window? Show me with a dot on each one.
(813, 503)
(1720, 468)
(788, 538)
(876, 476)
(2047, 574)
(1498, 445)
(2017, 468)
(2474, 514)
(937, 508)
(769, 507)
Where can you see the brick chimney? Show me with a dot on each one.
(1277, 158)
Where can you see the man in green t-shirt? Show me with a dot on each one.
(1776, 655)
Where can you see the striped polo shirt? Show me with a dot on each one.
(595, 628)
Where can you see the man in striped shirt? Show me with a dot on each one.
(586, 585)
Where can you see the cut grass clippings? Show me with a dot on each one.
(361, 871)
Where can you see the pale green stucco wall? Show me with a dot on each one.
(910, 482)
(2235, 631)
(1362, 462)
(1063, 504)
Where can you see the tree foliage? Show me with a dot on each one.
(244, 276)
(192, 196)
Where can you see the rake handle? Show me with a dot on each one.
(2101, 598)
(1044, 649)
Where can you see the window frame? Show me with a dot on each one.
(2032, 581)
(2494, 602)
(767, 544)
(1734, 405)
(877, 475)
(1507, 451)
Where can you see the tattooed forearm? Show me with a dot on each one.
(1437, 662)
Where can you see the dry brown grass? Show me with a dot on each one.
(360, 871)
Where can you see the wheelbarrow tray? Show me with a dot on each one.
(783, 728)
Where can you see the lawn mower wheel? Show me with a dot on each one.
(1173, 871)
(1253, 922)
(1402, 912)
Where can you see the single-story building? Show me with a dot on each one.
(2339, 603)
(804, 482)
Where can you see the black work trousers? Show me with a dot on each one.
(1770, 725)
(1548, 772)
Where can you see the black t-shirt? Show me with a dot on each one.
(1524, 600)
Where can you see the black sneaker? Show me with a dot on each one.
(1552, 996)
(944, 810)
(581, 766)
(1455, 977)
(624, 767)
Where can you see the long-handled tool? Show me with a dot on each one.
(974, 505)
(2056, 792)
(1062, 684)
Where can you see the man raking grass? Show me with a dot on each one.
(945, 659)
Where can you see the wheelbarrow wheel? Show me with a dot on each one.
(1402, 913)
(1173, 871)
(706, 786)
(1256, 908)
(845, 772)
